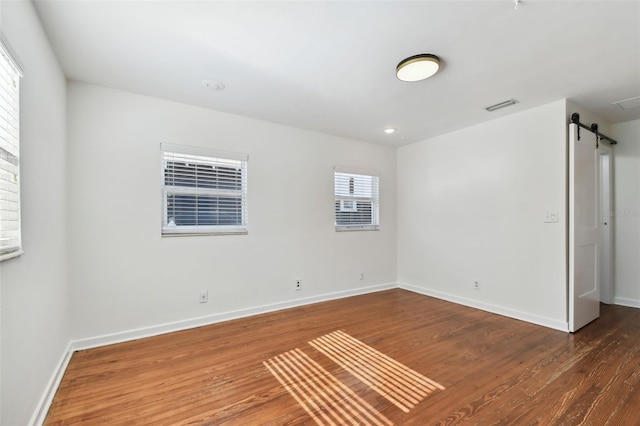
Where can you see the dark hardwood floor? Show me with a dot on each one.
(262, 370)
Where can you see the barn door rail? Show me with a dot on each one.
(575, 119)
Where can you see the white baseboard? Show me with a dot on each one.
(500, 310)
(40, 414)
(139, 333)
(623, 301)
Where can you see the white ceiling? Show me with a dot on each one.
(330, 66)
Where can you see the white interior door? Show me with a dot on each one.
(584, 228)
(606, 224)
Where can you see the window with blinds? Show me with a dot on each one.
(203, 192)
(356, 200)
(10, 231)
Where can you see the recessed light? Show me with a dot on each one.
(390, 130)
(418, 67)
(213, 85)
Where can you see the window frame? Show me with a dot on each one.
(353, 197)
(203, 156)
(10, 154)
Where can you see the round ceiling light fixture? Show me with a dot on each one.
(418, 67)
(390, 130)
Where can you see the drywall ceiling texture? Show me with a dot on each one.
(626, 221)
(471, 207)
(35, 310)
(126, 276)
(330, 66)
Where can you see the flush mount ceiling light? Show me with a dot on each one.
(418, 67)
(390, 130)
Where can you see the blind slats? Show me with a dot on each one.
(203, 194)
(356, 201)
(10, 232)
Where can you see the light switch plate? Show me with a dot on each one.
(551, 217)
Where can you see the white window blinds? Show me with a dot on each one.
(10, 235)
(356, 201)
(203, 192)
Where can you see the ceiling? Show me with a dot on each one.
(330, 66)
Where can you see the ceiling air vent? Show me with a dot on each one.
(628, 103)
(501, 105)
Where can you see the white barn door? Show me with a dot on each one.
(584, 228)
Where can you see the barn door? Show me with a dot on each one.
(584, 228)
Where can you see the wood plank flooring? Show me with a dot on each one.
(492, 370)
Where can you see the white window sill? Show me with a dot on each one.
(11, 255)
(202, 234)
(357, 228)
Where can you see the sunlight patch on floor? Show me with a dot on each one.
(396, 382)
(327, 400)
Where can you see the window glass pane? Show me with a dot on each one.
(361, 215)
(347, 184)
(194, 210)
(195, 175)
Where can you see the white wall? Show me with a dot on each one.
(471, 206)
(125, 276)
(34, 287)
(627, 207)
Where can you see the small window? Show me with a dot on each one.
(356, 200)
(203, 192)
(10, 228)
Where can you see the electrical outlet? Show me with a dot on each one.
(204, 296)
(476, 285)
(298, 285)
(361, 276)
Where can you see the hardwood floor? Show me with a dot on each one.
(491, 369)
